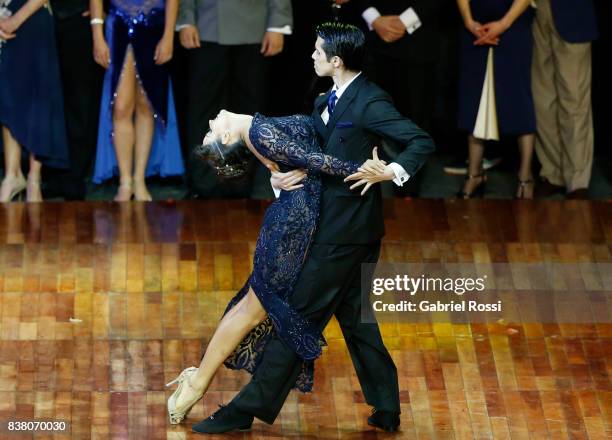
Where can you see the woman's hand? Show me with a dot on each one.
(164, 49)
(491, 32)
(372, 171)
(9, 26)
(474, 27)
(101, 52)
(478, 30)
(5, 36)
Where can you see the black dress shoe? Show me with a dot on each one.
(546, 189)
(578, 194)
(226, 419)
(386, 420)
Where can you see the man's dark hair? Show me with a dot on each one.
(344, 41)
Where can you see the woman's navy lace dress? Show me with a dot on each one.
(284, 239)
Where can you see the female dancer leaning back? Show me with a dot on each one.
(263, 305)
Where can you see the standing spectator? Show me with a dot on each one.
(562, 33)
(138, 134)
(31, 103)
(224, 36)
(495, 85)
(81, 84)
(403, 48)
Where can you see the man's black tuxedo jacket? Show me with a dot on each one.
(363, 115)
(421, 46)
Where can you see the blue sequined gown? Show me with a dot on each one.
(138, 25)
(284, 239)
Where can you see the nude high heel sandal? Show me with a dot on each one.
(176, 415)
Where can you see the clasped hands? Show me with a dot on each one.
(370, 172)
(487, 34)
(389, 28)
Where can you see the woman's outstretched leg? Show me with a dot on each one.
(232, 329)
(123, 126)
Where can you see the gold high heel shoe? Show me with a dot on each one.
(176, 415)
(17, 190)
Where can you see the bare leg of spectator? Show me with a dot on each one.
(144, 138)
(13, 182)
(526, 144)
(33, 191)
(123, 124)
(476, 177)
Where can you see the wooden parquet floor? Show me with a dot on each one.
(102, 303)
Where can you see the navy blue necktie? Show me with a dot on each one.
(331, 102)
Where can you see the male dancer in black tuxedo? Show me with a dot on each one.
(350, 120)
(82, 86)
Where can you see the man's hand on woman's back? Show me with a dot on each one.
(287, 181)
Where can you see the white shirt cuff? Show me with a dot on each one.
(411, 20)
(277, 191)
(370, 15)
(181, 26)
(285, 30)
(401, 176)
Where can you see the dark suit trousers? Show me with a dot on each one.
(329, 284)
(82, 86)
(233, 78)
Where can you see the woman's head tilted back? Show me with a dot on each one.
(223, 147)
(344, 41)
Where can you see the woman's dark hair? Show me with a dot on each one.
(229, 161)
(344, 41)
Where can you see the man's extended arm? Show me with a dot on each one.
(382, 119)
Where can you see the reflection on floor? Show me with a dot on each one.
(102, 303)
